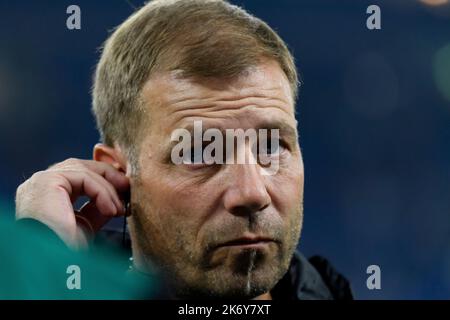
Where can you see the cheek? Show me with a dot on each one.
(179, 206)
(286, 190)
(287, 198)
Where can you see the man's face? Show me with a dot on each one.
(187, 217)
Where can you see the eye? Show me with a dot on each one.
(269, 149)
(194, 156)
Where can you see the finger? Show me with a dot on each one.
(112, 191)
(118, 179)
(100, 180)
(81, 183)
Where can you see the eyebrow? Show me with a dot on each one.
(286, 130)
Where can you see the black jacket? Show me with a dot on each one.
(313, 279)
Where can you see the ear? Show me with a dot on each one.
(112, 156)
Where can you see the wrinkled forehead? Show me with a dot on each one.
(259, 98)
(170, 91)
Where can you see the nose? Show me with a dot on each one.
(247, 193)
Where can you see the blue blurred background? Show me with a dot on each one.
(374, 120)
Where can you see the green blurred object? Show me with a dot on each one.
(35, 264)
(442, 71)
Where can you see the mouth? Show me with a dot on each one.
(247, 242)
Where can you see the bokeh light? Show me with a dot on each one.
(434, 2)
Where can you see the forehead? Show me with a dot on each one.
(262, 91)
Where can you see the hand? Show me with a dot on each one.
(48, 197)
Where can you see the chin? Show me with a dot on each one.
(232, 288)
(237, 281)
